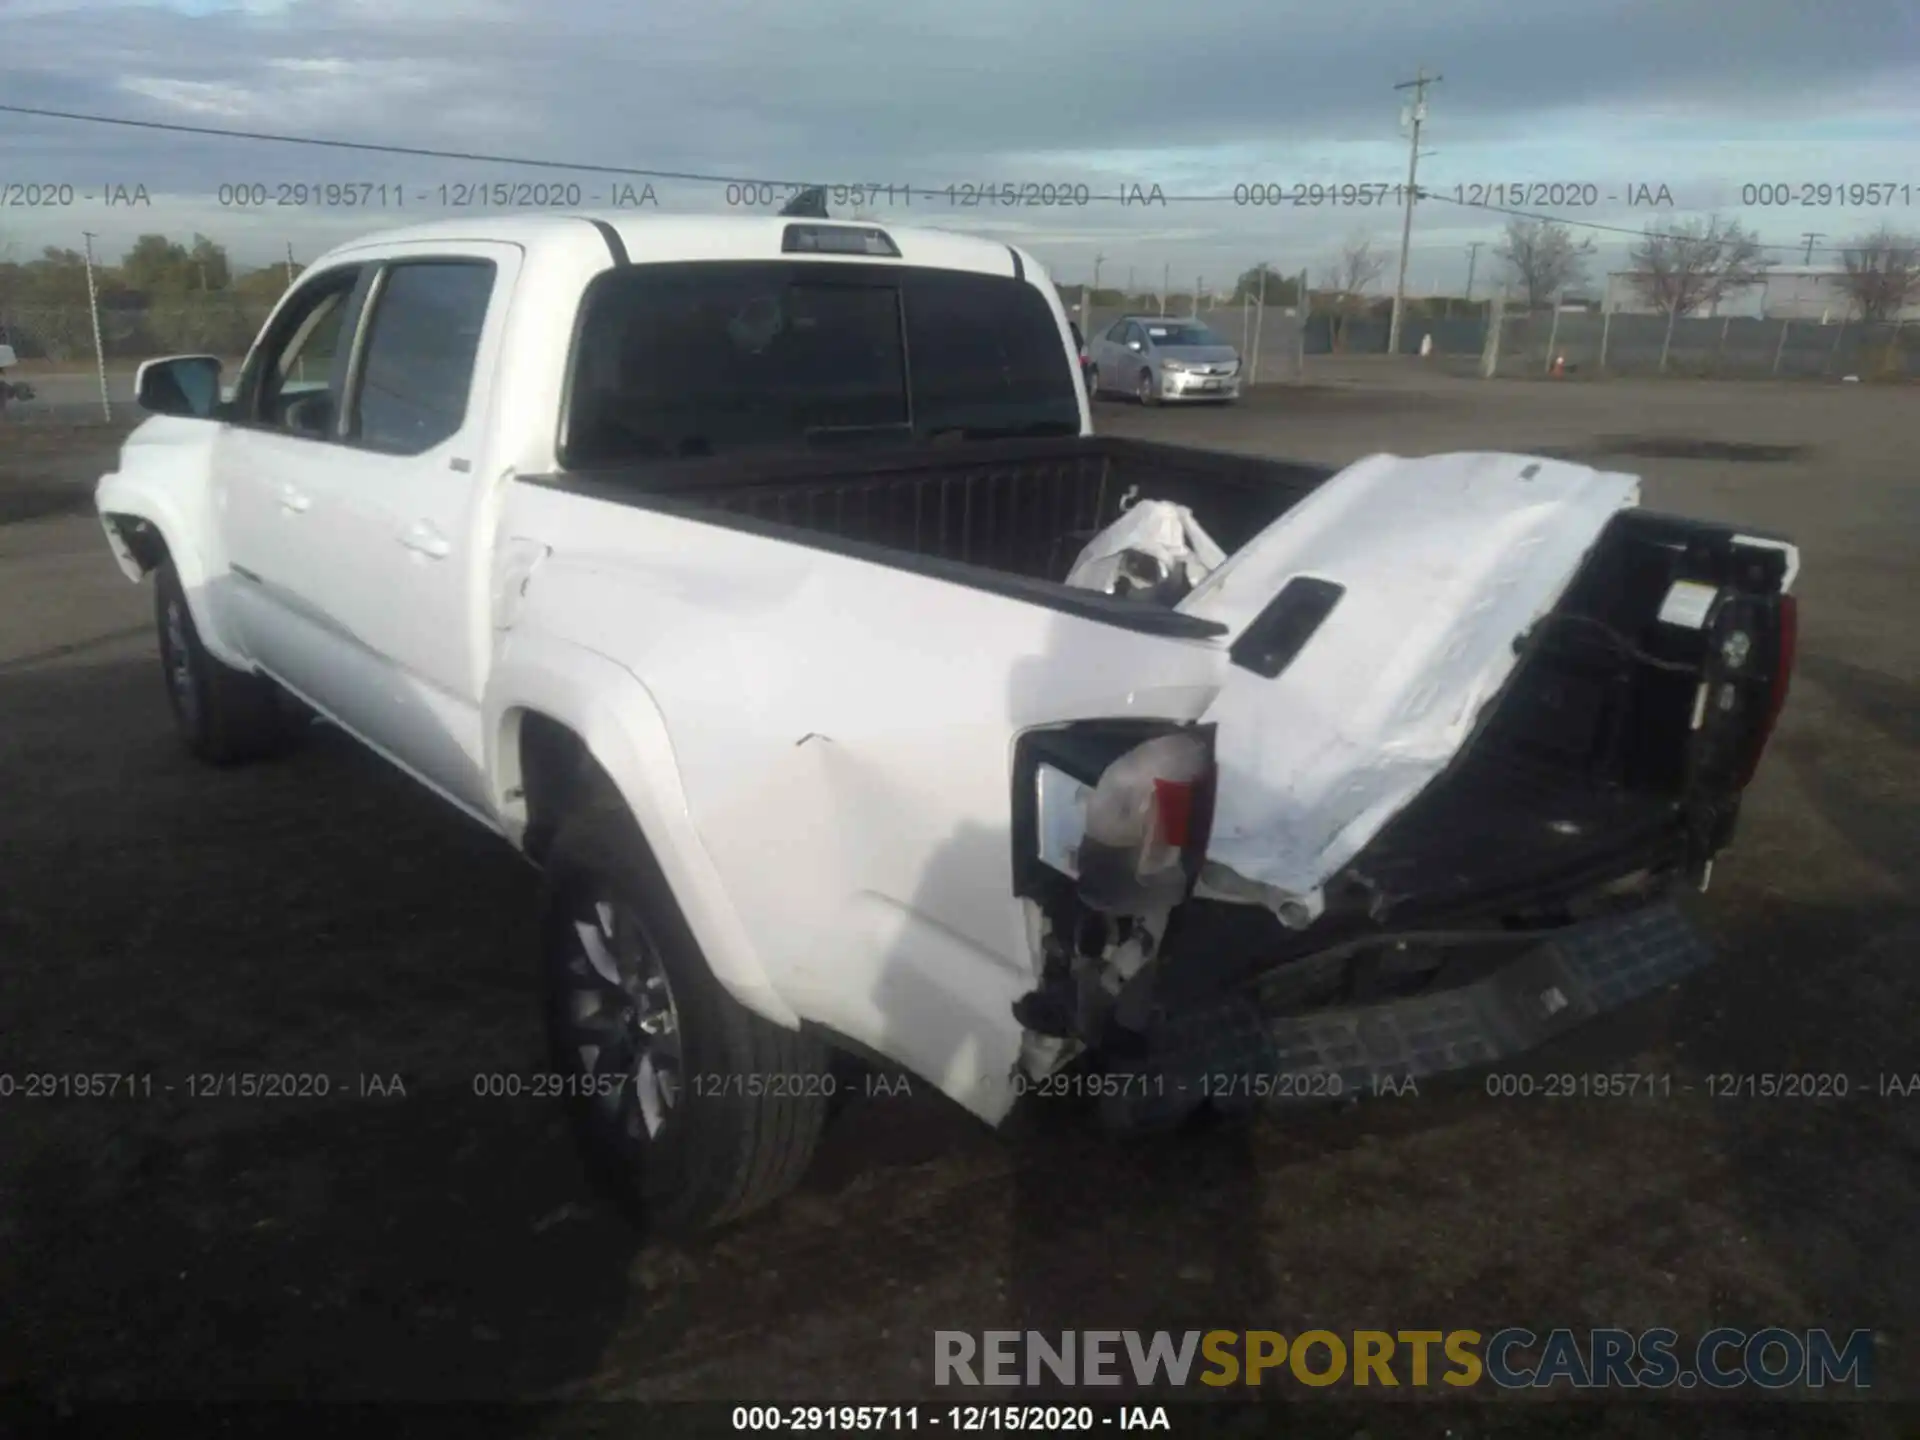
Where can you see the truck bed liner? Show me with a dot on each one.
(1014, 507)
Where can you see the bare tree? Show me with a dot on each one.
(1358, 268)
(1883, 274)
(1348, 280)
(1544, 257)
(1689, 264)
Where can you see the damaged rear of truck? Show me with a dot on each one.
(766, 586)
(1014, 748)
(1484, 716)
(1318, 781)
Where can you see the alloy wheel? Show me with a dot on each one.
(621, 1020)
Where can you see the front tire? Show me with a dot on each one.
(689, 1109)
(1148, 394)
(225, 716)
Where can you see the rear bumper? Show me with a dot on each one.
(1233, 1054)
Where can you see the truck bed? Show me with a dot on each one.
(1012, 508)
(1579, 768)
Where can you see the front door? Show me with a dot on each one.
(279, 443)
(371, 599)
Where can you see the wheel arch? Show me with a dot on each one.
(142, 538)
(562, 723)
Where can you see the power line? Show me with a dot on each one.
(369, 147)
(703, 178)
(1597, 225)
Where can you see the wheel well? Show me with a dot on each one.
(557, 772)
(143, 541)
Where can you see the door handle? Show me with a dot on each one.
(292, 499)
(425, 540)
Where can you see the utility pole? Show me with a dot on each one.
(1197, 283)
(1166, 279)
(1473, 259)
(1810, 236)
(1086, 298)
(289, 264)
(1416, 114)
(1259, 315)
(99, 351)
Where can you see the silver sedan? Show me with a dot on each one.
(1156, 358)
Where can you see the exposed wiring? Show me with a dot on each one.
(1620, 642)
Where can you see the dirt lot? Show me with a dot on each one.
(319, 917)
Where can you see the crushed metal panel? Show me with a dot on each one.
(1444, 560)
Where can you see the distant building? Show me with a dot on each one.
(1789, 292)
(1814, 292)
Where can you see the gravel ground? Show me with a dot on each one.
(403, 1237)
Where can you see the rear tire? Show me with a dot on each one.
(1093, 383)
(225, 716)
(689, 1109)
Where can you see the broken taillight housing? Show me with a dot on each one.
(1147, 822)
(1786, 644)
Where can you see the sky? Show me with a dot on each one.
(1683, 105)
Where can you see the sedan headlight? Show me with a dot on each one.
(1175, 367)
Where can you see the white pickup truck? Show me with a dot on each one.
(11, 389)
(762, 581)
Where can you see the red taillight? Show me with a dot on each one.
(1147, 824)
(1174, 807)
(1789, 647)
(1787, 631)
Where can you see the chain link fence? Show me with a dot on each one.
(1587, 344)
(62, 336)
(1725, 347)
(57, 374)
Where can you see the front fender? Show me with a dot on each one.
(164, 484)
(608, 707)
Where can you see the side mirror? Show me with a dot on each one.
(186, 385)
(1133, 344)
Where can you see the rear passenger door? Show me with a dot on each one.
(397, 556)
(1116, 360)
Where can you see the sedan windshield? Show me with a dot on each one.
(1182, 334)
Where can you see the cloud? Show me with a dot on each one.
(1601, 93)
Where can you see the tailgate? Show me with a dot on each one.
(1372, 624)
